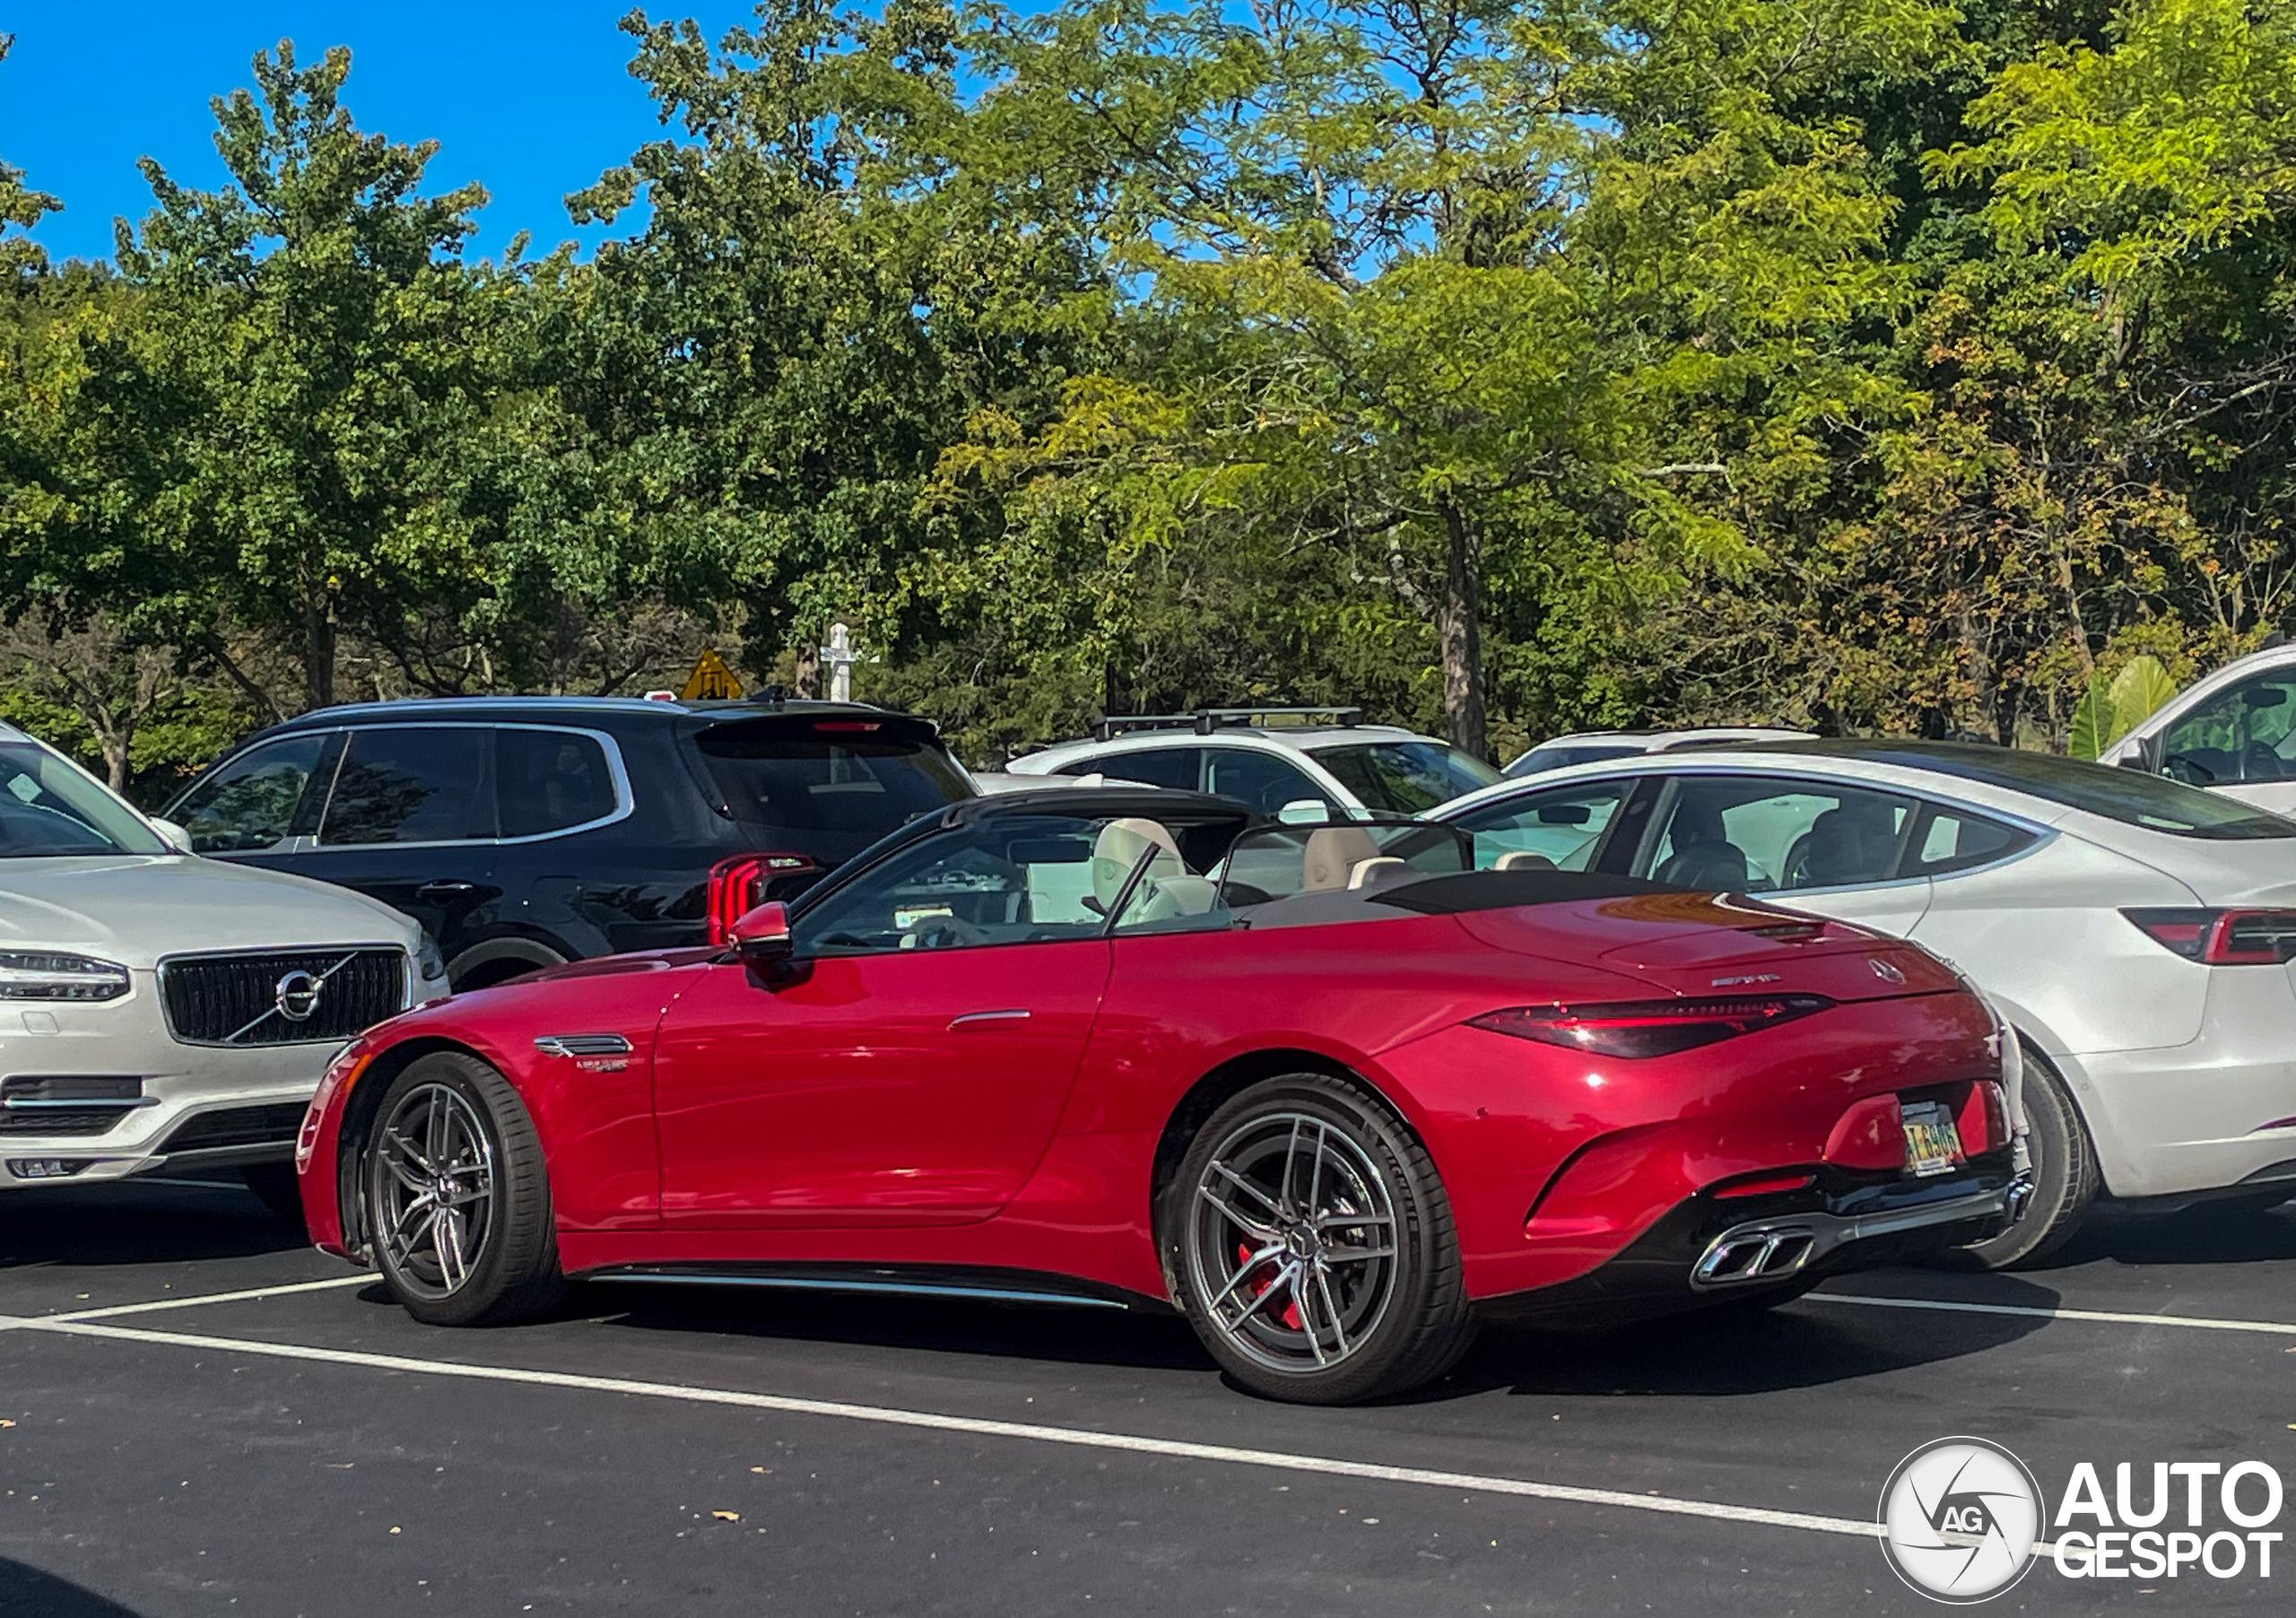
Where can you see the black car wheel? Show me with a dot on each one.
(1312, 1246)
(457, 1197)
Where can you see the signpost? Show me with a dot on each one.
(711, 680)
(838, 657)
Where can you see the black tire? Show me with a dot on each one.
(490, 1258)
(2066, 1178)
(1352, 1328)
(278, 1186)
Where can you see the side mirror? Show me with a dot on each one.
(761, 937)
(1304, 812)
(173, 835)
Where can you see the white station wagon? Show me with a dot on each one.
(160, 1008)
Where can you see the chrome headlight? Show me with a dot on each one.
(429, 964)
(27, 976)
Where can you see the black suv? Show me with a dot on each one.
(523, 831)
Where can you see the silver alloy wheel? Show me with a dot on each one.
(1292, 1242)
(436, 1191)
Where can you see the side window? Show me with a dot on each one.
(1173, 767)
(1259, 778)
(2242, 734)
(1959, 840)
(410, 784)
(1004, 879)
(1562, 828)
(249, 804)
(546, 781)
(1740, 834)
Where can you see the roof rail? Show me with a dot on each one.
(1204, 721)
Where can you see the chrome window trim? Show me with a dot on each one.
(625, 798)
(2041, 835)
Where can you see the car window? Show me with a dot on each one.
(829, 785)
(1754, 835)
(1011, 879)
(1404, 778)
(546, 781)
(1282, 862)
(409, 784)
(248, 803)
(1173, 767)
(1959, 840)
(49, 806)
(1563, 827)
(1261, 780)
(2245, 733)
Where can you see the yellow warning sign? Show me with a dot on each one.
(711, 680)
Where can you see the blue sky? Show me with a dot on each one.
(529, 97)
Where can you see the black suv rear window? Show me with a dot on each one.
(836, 784)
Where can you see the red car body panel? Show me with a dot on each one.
(863, 1111)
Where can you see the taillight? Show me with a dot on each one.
(737, 887)
(2222, 938)
(1649, 1028)
(1983, 1121)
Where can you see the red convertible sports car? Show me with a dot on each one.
(1330, 1091)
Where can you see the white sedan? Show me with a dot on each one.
(160, 1008)
(2137, 932)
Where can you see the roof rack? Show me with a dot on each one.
(1204, 721)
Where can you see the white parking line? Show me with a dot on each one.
(18, 1322)
(980, 1427)
(2203, 1322)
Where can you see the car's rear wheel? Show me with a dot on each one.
(2066, 1178)
(1312, 1247)
(458, 1197)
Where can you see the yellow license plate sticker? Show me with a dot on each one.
(1933, 1145)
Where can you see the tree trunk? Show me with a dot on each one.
(1458, 633)
(319, 654)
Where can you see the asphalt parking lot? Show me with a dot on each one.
(203, 1416)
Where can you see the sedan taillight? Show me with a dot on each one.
(1649, 1028)
(738, 886)
(2222, 938)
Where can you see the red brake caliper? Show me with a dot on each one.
(1291, 1315)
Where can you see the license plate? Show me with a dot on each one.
(1933, 1145)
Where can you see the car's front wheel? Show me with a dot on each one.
(1312, 1247)
(458, 1198)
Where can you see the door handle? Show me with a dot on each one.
(445, 889)
(983, 1019)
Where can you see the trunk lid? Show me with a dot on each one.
(1716, 944)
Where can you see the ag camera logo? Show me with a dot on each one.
(1960, 1517)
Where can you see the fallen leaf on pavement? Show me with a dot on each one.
(726, 1517)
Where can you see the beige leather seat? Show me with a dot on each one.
(1332, 854)
(1118, 848)
(1377, 872)
(1523, 859)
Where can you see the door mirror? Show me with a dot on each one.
(173, 835)
(761, 937)
(1304, 812)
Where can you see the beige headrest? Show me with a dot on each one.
(1118, 848)
(1378, 873)
(1331, 856)
(1523, 859)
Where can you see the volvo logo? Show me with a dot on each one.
(1885, 970)
(297, 996)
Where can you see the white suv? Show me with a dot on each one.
(1269, 757)
(1594, 746)
(157, 1007)
(2234, 730)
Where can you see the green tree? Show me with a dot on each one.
(21, 208)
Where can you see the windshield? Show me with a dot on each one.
(1403, 777)
(2130, 797)
(51, 807)
(1281, 861)
(1542, 759)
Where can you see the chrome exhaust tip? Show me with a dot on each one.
(1763, 1254)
